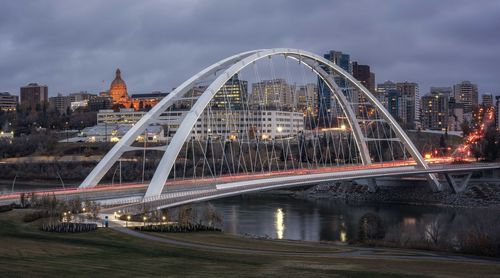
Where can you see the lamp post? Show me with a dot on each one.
(67, 139)
(144, 219)
(128, 219)
(163, 218)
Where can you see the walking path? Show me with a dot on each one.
(350, 251)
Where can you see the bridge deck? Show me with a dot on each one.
(222, 190)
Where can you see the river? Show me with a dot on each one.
(286, 217)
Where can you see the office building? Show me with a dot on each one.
(97, 103)
(466, 93)
(34, 94)
(487, 100)
(328, 111)
(455, 115)
(144, 102)
(363, 74)
(274, 94)
(435, 112)
(60, 103)
(307, 98)
(410, 91)
(381, 92)
(8, 102)
(396, 104)
(232, 95)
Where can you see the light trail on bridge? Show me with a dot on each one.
(193, 184)
(210, 180)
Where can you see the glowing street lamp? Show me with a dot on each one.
(128, 219)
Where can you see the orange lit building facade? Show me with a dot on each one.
(118, 92)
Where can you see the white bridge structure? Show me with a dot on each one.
(354, 130)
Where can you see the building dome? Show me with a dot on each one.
(118, 89)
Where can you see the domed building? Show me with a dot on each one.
(118, 91)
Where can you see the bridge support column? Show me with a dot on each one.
(372, 185)
(434, 183)
(454, 185)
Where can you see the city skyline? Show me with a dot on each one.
(74, 48)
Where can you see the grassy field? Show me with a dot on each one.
(25, 251)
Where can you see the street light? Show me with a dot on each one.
(128, 219)
(144, 218)
(163, 218)
(67, 139)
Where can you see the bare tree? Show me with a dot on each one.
(212, 216)
(433, 231)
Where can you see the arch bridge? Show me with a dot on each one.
(219, 129)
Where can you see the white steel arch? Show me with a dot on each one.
(125, 143)
(236, 63)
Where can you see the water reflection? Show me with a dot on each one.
(289, 218)
(279, 223)
(343, 236)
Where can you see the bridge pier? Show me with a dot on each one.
(435, 185)
(372, 185)
(454, 185)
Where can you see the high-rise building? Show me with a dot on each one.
(410, 91)
(327, 110)
(487, 100)
(60, 103)
(435, 110)
(274, 94)
(396, 104)
(381, 91)
(442, 90)
(307, 98)
(363, 74)
(466, 93)
(34, 94)
(8, 102)
(455, 115)
(232, 95)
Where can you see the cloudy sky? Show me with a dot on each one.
(76, 45)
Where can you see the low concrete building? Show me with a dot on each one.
(114, 132)
(8, 102)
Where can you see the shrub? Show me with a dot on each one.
(30, 217)
(5, 208)
(371, 227)
(69, 227)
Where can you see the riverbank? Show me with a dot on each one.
(480, 195)
(26, 251)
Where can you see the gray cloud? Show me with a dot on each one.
(75, 45)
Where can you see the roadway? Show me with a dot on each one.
(309, 177)
(186, 190)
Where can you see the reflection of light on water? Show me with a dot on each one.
(343, 236)
(278, 222)
(409, 221)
